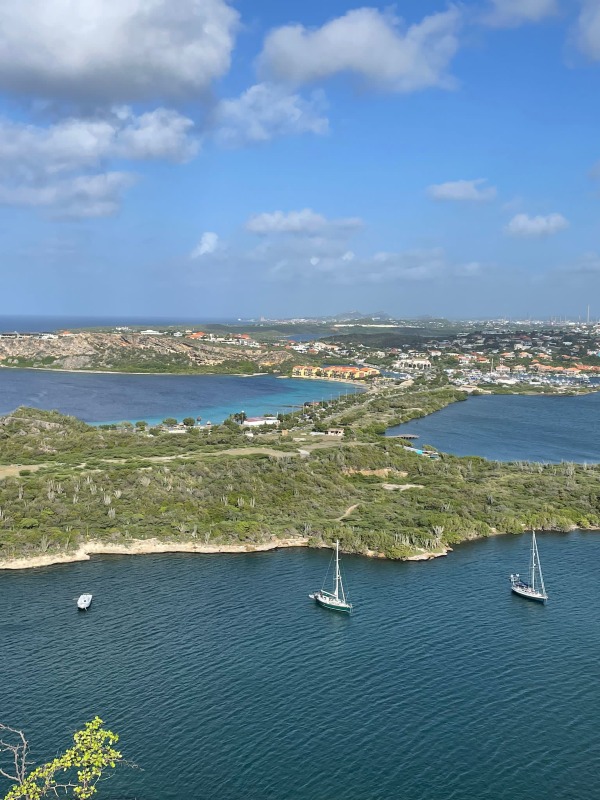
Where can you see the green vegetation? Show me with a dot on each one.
(75, 773)
(216, 486)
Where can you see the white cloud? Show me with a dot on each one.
(587, 29)
(512, 13)
(114, 50)
(158, 134)
(265, 111)
(372, 45)
(82, 196)
(39, 165)
(206, 246)
(306, 222)
(463, 190)
(28, 151)
(524, 225)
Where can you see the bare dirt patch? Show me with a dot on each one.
(400, 487)
(12, 470)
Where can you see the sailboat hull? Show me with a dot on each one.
(529, 594)
(331, 603)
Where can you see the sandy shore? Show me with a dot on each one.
(119, 372)
(140, 547)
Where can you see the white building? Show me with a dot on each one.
(256, 422)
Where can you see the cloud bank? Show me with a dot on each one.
(106, 51)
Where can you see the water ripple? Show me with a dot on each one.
(224, 680)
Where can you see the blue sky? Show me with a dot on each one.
(210, 158)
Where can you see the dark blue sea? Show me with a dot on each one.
(41, 323)
(98, 398)
(225, 681)
(514, 428)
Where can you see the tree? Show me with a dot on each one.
(141, 425)
(170, 422)
(240, 417)
(189, 422)
(75, 773)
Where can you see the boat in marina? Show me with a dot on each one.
(335, 600)
(533, 589)
(84, 601)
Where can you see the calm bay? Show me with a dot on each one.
(109, 397)
(514, 428)
(225, 680)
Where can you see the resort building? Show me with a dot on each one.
(335, 373)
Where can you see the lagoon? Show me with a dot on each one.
(514, 428)
(224, 680)
(108, 397)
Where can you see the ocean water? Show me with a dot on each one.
(42, 323)
(225, 681)
(514, 428)
(98, 398)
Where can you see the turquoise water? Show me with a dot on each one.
(225, 681)
(514, 428)
(100, 398)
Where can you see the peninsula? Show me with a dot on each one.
(68, 490)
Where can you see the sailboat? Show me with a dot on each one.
(335, 600)
(534, 589)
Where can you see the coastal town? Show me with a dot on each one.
(470, 354)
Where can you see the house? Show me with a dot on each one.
(413, 363)
(335, 432)
(257, 422)
(197, 335)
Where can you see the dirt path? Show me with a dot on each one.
(391, 487)
(347, 512)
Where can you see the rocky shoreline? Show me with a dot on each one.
(149, 546)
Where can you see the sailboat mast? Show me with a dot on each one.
(337, 567)
(532, 579)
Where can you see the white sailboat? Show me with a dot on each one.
(534, 589)
(336, 600)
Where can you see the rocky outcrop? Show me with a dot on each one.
(129, 352)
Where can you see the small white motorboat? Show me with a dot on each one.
(84, 601)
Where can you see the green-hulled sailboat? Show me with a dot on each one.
(336, 600)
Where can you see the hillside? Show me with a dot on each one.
(134, 352)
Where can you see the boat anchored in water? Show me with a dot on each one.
(84, 601)
(336, 600)
(534, 589)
